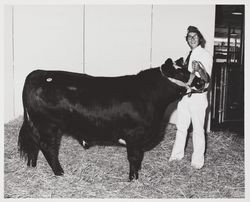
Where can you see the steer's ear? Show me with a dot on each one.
(180, 62)
(169, 62)
(168, 67)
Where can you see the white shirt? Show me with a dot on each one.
(203, 56)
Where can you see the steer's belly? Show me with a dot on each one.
(98, 122)
(100, 127)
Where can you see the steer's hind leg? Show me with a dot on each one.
(32, 156)
(135, 157)
(50, 148)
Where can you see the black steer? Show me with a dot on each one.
(126, 109)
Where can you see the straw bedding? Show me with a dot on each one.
(102, 171)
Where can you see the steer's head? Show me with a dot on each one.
(179, 75)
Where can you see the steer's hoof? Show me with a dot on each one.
(59, 172)
(133, 176)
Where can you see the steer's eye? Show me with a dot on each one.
(180, 72)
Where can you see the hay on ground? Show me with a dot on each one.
(102, 172)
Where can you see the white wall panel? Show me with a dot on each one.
(8, 66)
(46, 37)
(117, 39)
(170, 23)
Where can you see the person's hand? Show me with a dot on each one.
(196, 66)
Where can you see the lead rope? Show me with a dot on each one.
(180, 83)
(186, 85)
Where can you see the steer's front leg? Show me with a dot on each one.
(135, 156)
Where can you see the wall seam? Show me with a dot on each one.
(151, 36)
(13, 61)
(83, 40)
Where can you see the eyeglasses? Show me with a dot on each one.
(189, 37)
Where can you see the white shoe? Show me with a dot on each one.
(197, 163)
(175, 158)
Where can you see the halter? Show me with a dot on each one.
(183, 84)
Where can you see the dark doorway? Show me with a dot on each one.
(227, 108)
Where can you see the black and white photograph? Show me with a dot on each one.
(124, 100)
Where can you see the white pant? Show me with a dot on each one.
(191, 109)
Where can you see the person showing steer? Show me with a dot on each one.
(99, 110)
(193, 108)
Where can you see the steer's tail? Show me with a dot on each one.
(28, 137)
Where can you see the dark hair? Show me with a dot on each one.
(202, 40)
